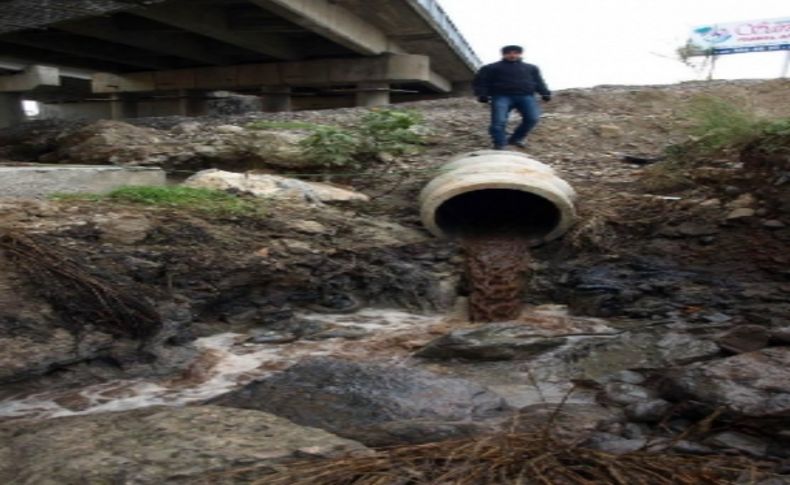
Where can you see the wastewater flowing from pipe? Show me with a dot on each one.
(496, 265)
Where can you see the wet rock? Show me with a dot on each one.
(346, 332)
(614, 444)
(744, 338)
(744, 443)
(691, 447)
(650, 411)
(623, 393)
(301, 327)
(774, 224)
(565, 421)
(743, 201)
(754, 384)
(385, 233)
(627, 376)
(271, 337)
(637, 288)
(308, 227)
(741, 213)
(496, 341)
(123, 228)
(272, 186)
(594, 357)
(372, 403)
(781, 334)
(26, 356)
(156, 445)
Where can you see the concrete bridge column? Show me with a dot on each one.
(11, 112)
(191, 102)
(123, 106)
(276, 98)
(370, 95)
(462, 89)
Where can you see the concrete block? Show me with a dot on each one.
(44, 180)
(11, 112)
(31, 78)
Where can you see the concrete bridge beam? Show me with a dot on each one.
(391, 69)
(211, 22)
(174, 44)
(326, 18)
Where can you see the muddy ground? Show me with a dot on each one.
(660, 307)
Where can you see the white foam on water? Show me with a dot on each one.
(229, 364)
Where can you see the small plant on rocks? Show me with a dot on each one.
(332, 146)
(389, 132)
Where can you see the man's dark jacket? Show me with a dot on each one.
(510, 78)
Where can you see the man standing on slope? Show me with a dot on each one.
(508, 85)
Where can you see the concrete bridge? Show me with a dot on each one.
(127, 58)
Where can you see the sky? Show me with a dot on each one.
(581, 43)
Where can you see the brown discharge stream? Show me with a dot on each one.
(496, 266)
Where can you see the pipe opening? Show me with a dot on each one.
(497, 211)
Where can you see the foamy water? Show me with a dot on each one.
(227, 362)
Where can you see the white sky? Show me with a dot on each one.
(579, 43)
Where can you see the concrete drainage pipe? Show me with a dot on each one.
(498, 191)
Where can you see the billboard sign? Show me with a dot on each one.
(741, 37)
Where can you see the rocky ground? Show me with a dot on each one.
(145, 344)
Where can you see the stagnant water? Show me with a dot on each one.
(496, 266)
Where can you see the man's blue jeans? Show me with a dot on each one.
(501, 106)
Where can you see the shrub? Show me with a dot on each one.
(719, 128)
(391, 131)
(332, 146)
(719, 123)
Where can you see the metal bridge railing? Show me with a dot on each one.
(434, 13)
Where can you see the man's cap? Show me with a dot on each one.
(512, 48)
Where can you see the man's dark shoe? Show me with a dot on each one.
(499, 147)
(520, 144)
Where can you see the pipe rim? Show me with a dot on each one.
(563, 204)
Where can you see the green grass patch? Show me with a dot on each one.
(177, 197)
